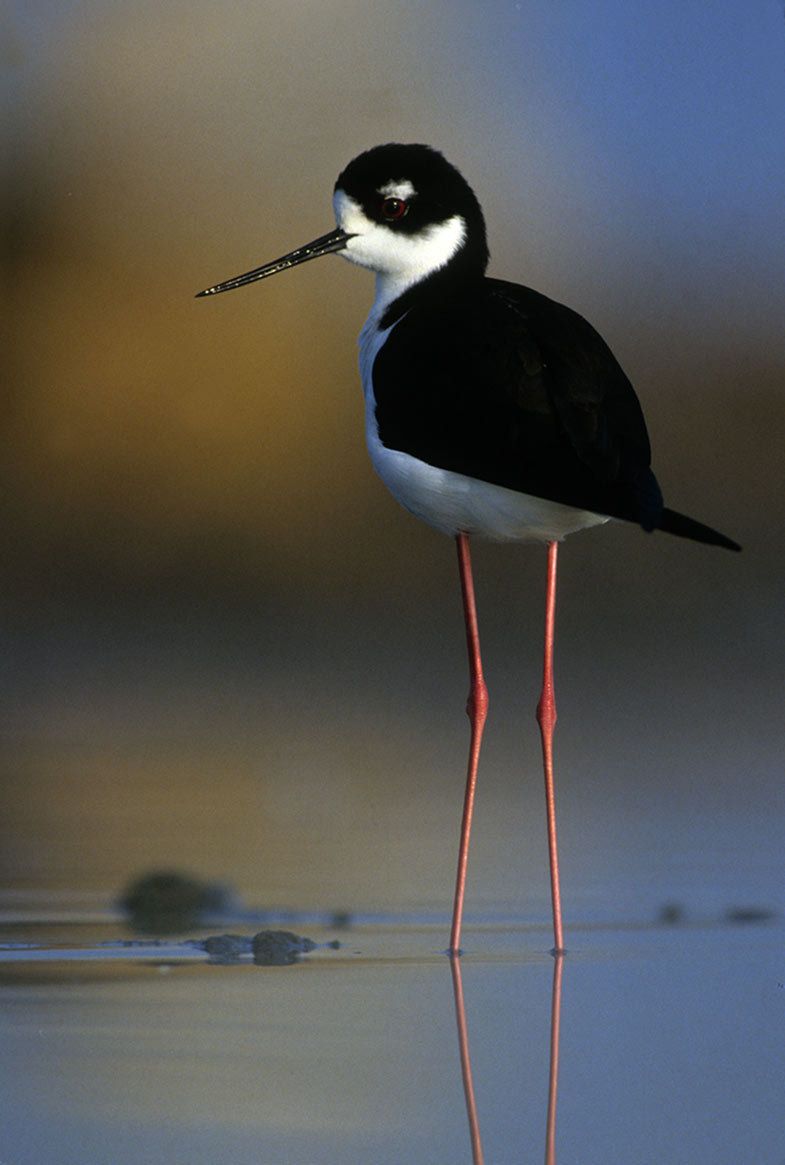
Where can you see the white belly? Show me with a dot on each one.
(452, 502)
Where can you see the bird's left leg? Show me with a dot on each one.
(477, 710)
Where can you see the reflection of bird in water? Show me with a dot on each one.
(466, 1067)
(490, 409)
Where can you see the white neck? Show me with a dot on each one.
(388, 288)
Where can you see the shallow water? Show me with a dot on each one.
(325, 793)
(670, 1046)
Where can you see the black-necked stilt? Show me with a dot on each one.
(490, 409)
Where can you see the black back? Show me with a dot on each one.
(498, 382)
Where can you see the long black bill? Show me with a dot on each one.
(335, 241)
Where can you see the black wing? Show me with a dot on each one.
(507, 386)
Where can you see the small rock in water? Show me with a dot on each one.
(671, 914)
(740, 915)
(279, 948)
(166, 901)
(341, 919)
(227, 948)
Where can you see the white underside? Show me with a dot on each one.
(452, 502)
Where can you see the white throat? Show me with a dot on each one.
(398, 260)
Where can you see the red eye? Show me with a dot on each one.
(394, 208)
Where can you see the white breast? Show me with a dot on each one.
(452, 502)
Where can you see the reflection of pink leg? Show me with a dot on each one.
(546, 716)
(553, 1075)
(466, 1066)
(477, 710)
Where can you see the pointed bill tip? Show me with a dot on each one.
(334, 241)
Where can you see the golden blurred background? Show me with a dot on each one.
(226, 646)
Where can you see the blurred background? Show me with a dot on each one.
(226, 649)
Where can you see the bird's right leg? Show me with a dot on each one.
(546, 717)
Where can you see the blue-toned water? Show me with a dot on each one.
(670, 1048)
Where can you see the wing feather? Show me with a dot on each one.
(507, 386)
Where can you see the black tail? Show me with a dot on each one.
(685, 527)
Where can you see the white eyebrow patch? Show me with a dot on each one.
(398, 188)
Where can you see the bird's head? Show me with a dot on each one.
(404, 212)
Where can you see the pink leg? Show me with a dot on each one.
(553, 1073)
(466, 1066)
(476, 710)
(546, 716)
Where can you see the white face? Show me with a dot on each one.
(398, 259)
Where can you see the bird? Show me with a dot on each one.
(491, 410)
